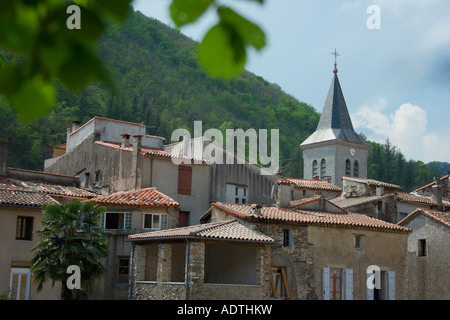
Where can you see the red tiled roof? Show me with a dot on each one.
(407, 197)
(223, 230)
(150, 151)
(50, 189)
(327, 219)
(144, 197)
(432, 183)
(372, 182)
(439, 216)
(310, 184)
(11, 197)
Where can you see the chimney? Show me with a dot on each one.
(137, 144)
(136, 160)
(75, 125)
(284, 194)
(125, 140)
(437, 196)
(256, 209)
(3, 156)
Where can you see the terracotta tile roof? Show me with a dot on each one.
(222, 230)
(151, 151)
(50, 189)
(298, 203)
(9, 197)
(439, 216)
(326, 219)
(310, 184)
(144, 197)
(352, 202)
(432, 183)
(407, 197)
(372, 182)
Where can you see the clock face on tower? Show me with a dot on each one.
(352, 152)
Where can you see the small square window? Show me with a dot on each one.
(24, 228)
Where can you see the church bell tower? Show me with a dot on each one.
(334, 149)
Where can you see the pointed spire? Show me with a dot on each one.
(335, 122)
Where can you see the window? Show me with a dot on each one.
(236, 194)
(384, 285)
(184, 180)
(156, 221)
(116, 220)
(314, 169)
(347, 167)
(24, 228)
(422, 248)
(337, 284)
(279, 284)
(358, 241)
(123, 269)
(86, 179)
(19, 283)
(323, 168)
(287, 238)
(356, 169)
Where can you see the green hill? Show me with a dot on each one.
(163, 87)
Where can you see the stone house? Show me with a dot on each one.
(22, 195)
(315, 250)
(324, 251)
(116, 156)
(128, 213)
(221, 260)
(428, 255)
(377, 199)
(306, 188)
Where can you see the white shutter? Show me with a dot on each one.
(391, 285)
(326, 283)
(348, 286)
(370, 292)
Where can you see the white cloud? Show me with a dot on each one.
(407, 128)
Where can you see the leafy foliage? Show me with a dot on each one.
(69, 236)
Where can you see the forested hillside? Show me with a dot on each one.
(163, 87)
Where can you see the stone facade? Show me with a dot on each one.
(195, 285)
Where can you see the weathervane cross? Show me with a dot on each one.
(335, 54)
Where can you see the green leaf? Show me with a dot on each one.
(222, 51)
(187, 11)
(34, 98)
(250, 33)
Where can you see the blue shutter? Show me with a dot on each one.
(326, 283)
(348, 284)
(370, 292)
(391, 285)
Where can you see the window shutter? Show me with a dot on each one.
(128, 220)
(348, 284)
(370, 292)
(391, 285)
(184, 180)
(103, 220)
(326, 283)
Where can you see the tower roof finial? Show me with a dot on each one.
(335, 54)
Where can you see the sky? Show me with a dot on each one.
(393, 63)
